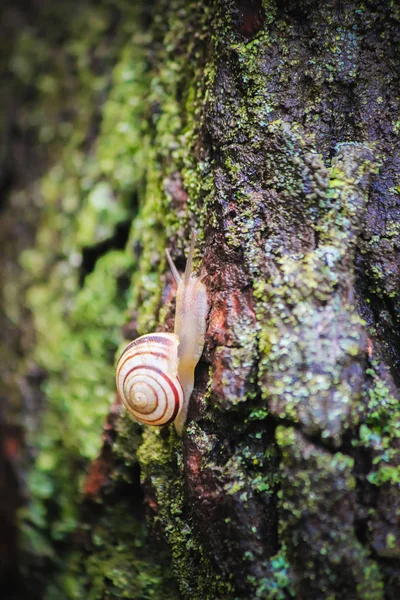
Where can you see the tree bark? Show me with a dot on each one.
(272, 129)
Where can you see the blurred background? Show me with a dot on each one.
(72, 164)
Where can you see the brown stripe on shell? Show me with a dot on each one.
(157, 339)
(130, 356)
(176, 398)
(162, 340)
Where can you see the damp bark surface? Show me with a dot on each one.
(272, 129)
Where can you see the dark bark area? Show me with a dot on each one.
(272, 128)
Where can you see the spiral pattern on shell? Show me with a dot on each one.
(147, 380)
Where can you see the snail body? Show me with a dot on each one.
(155, 373)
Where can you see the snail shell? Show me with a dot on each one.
(147, 378)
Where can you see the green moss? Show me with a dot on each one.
(75, 343)
(126, 563)
(160, 456)
(381, 430)
(122, 562)
(122, 149)
(278, 586)
(315, 483)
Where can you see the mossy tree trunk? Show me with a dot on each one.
(272, 128)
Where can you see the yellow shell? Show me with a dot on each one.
(147, 379)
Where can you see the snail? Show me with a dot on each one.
(155, 373)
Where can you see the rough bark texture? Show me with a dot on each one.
(272, 128)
